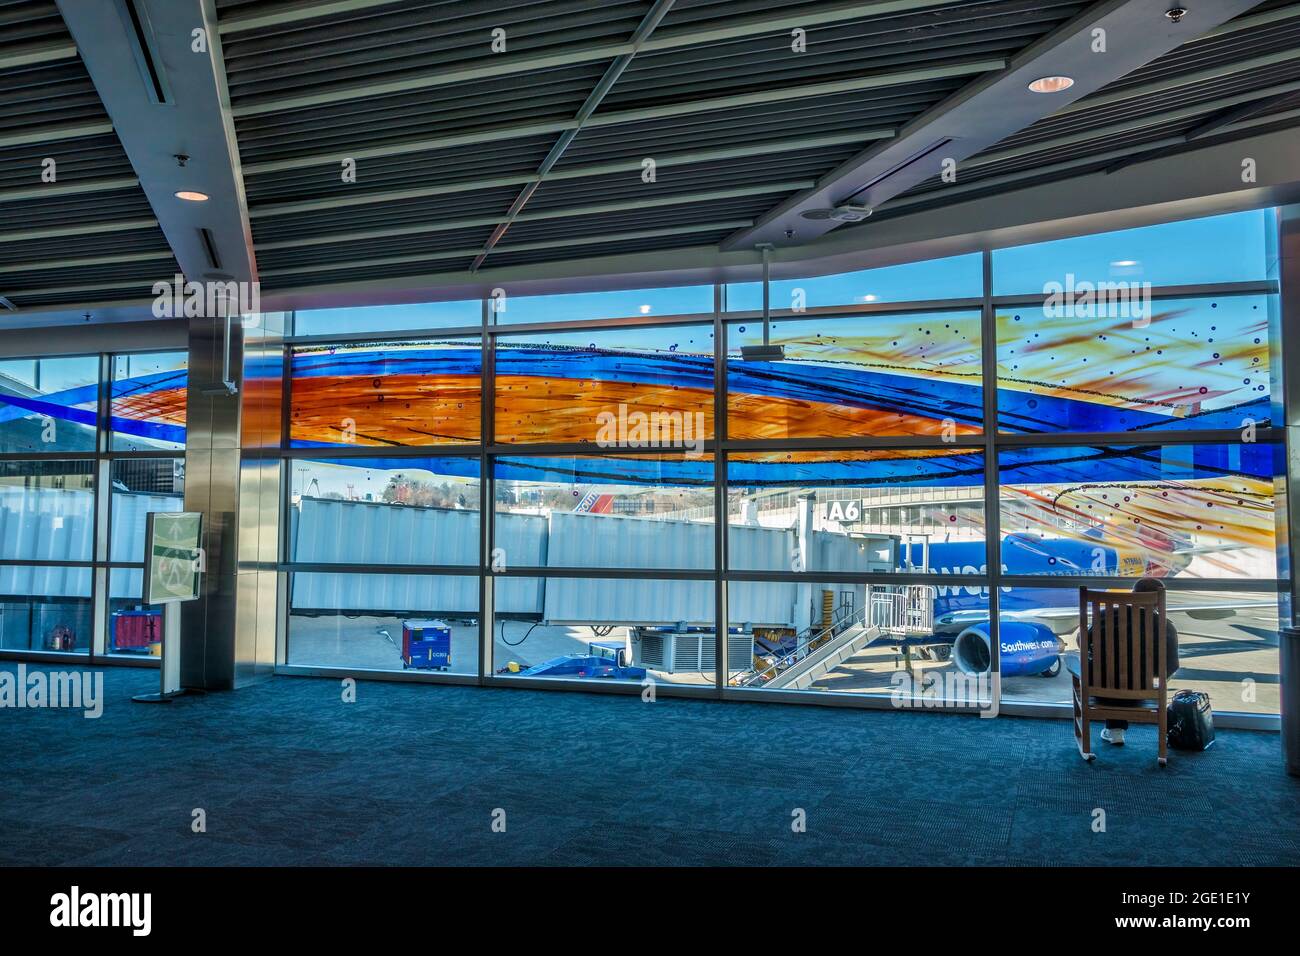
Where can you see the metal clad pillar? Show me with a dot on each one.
(228, 636)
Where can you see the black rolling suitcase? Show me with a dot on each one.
(1191, 722)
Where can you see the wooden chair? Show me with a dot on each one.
(1122, 653)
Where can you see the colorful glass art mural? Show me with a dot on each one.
(147, 401)
(410, 393)
(1191, 510)
(48, 405)
(52, 404)
(1184, 364)
(607, 387)
(876, 375)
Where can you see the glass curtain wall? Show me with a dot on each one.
(907, 472)
(88, 446)
(890, 494)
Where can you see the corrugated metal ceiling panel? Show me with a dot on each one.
(53, 94)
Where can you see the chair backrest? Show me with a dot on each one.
(1122, 649)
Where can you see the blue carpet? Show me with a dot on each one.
(288, 774)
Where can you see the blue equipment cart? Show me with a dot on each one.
(426, 645)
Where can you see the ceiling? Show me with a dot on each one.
(83, 235)
(629, 129)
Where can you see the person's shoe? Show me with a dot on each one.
(1113, 736)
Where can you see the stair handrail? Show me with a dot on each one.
(802, 651)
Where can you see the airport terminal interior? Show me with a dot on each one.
(670, 413)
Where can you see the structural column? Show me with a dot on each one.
(233, 477)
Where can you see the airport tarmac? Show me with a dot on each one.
(1230, 654)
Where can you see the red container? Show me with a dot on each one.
(134, 630)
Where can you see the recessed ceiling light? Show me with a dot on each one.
(868, 298)
(645, 310)
(1051, 84)
(190, 195)
(1124, 263)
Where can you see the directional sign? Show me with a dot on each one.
(175, 558)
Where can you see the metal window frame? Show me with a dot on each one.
(101, 563)
(989, 442)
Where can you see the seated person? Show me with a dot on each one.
(1114, 732)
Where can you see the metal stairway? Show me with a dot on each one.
(888, 611)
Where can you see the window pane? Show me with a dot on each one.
(1180, 364)
(45, 609)
(134, 628)
(388, 318)
(960, 277)
(142, 485)
(378, 511)
(387, 622)
(597, 512)
(47, 510)
(603, 630)
(634, 388)
(48, 405)
(869, 511)
(621, 304)
(916, 374)
(1231, 248)
(881, 640)
(1195, 511)
(1227, 645)
(407, 393)
(148, 401)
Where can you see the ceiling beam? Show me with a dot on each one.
(210, 239)
(144, 285)
(264, 210)
(1145, 121)
(34, 54)
(505, 65)
(290, 14)
(1124, 156)
(86, 229)
(1222, 122)
(991, 108)
(1179, 80)
(1252, 20)
(52, 190)
(51, 265)
(654, 16)
(857, 84)
(52, 134)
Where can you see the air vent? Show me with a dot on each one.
(210, 247)
(914, 158)
(140, 34)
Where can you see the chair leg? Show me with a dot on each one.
(1085, 739)
(1162, 728)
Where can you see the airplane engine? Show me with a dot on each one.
(1027, 648)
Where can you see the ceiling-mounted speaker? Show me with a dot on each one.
(845, 212)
